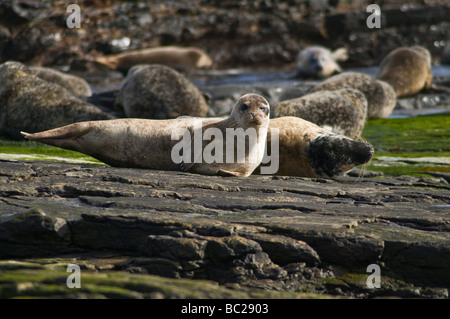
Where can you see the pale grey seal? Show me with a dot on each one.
(156, 144)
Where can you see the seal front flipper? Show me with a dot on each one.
(185, 167)
(225, 173)
(190, 147)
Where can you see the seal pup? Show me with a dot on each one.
(342, 111)
(156, 144)
(319, 62)
(407, 70)
(159, 92)
(307, 150)
(173, 56)
(381, 97)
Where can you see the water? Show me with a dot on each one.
(273, 81)
(252, 76)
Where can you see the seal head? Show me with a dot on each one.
(319, 62)
(251, 110)
(332, 155)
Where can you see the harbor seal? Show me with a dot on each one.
(381, 97)
(173, 56)
(172, 144)
(159, 92)
(306, 150)
(319, 62)
(342, 111)
(407, 70)
(29, 103)
(78, 86)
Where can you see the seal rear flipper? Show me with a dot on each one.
(63, 137)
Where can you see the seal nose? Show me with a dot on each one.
(330, 153)
(362, 152)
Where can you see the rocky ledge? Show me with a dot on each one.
(151, 234)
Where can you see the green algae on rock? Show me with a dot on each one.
(410, 146)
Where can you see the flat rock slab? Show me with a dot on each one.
(277, 233)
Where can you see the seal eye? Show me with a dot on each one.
(264, 109)
(244, 107)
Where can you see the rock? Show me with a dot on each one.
(33, 226)
(29, 103)
(380, 95)
(285, 250)
(159, 92)
(74, 84)
(283, 234)
(174, 248)
(342, 111)
(445, 58)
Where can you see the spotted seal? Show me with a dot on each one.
(319, 62)
(157, 144)
(407, 70)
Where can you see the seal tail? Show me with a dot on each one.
(63, 137)
(111, 62)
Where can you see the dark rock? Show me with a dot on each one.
(284, 250)
(445, 58)
(174, 248)
(32, 228)
(297, 236)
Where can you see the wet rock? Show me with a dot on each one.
(445, 58)
(284, 250)
(32, 227)
(175, 248)
(283, 233)
(31, 104)
(342, 111)
(381, 97)
(159, 92)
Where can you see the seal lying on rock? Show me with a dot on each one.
(407, 70)
(319, 62)
(29, 103)
(78, 86)
(159, 92)
(380, 96)
(156, 144)
(307, 150)
(176, 57)
(341, 111)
